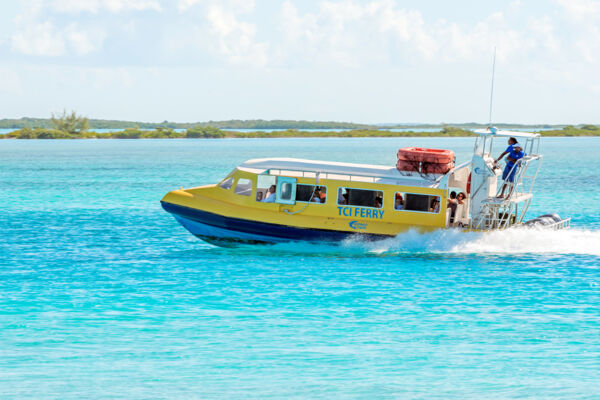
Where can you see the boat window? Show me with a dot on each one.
(360, 197)
(417, 202)
(227, 183)
(286, 191)
(243, 187)
(304, 193)
(263, 183)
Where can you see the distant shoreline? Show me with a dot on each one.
(215, 133)
(73, 126)
(260, 124)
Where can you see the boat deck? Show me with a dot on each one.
(516, 198)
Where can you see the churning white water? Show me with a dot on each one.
(521, 240)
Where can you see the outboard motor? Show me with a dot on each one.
(543, 220)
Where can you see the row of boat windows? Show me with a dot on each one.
(345, 196)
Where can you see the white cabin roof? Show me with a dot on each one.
(339, 171)
(501, 133)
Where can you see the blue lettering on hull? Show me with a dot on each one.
(360, 212)
(357, 225)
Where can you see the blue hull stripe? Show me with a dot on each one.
(203, 223)
(221, 236)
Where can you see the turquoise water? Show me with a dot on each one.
(104, 295)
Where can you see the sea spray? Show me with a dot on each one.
(452, 241)
(512, 241)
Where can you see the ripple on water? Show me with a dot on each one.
(102, 294)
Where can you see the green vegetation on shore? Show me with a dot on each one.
(73, 126)
(48, 123)
(215, 133)
(258, 124)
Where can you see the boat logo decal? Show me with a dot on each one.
(360, 212)
(357, 225)
(479, 171)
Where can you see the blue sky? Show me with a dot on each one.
(364, 61)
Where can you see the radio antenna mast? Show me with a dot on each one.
(492, 91)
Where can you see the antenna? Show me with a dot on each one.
(492, 91)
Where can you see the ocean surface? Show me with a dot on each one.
(104, 295)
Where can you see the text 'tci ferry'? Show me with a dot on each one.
(274, 200)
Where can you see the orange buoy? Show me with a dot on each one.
(420, 154)
(436, 168)
(411, 166)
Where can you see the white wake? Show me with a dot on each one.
(513, 241)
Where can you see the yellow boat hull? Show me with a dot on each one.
(216, 214)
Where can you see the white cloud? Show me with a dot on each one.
(583, 26)
(331, 42)
(94, 6)
(84, 41)
(580, 10)
(39, 39)
(545, 30)
(183, 5)
(357, 33)
(238, 6)
(467, 43)
(37, 35)
(236, 40)
(217, 27)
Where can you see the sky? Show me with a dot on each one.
(373, 61)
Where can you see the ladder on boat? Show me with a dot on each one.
(504, 212)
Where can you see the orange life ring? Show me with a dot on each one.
(419, 154)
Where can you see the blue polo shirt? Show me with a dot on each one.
(514, 154)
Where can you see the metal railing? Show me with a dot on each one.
(562, 224)
(502, 213)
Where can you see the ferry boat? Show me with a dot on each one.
(274, 200)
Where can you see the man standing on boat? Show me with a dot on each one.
(515, 153)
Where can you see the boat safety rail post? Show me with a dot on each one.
(522, 183)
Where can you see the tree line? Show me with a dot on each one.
(73, 126)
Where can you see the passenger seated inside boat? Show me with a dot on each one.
(310, 193)
(323, 195)
(398, 202)
(435, 205)
(460, 198)
(316, 196)
(263, 183)
(270, 195)
(360, 197)
(378, 202)
(417, 202)
(342, 197)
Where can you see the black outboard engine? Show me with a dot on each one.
(544, 220)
